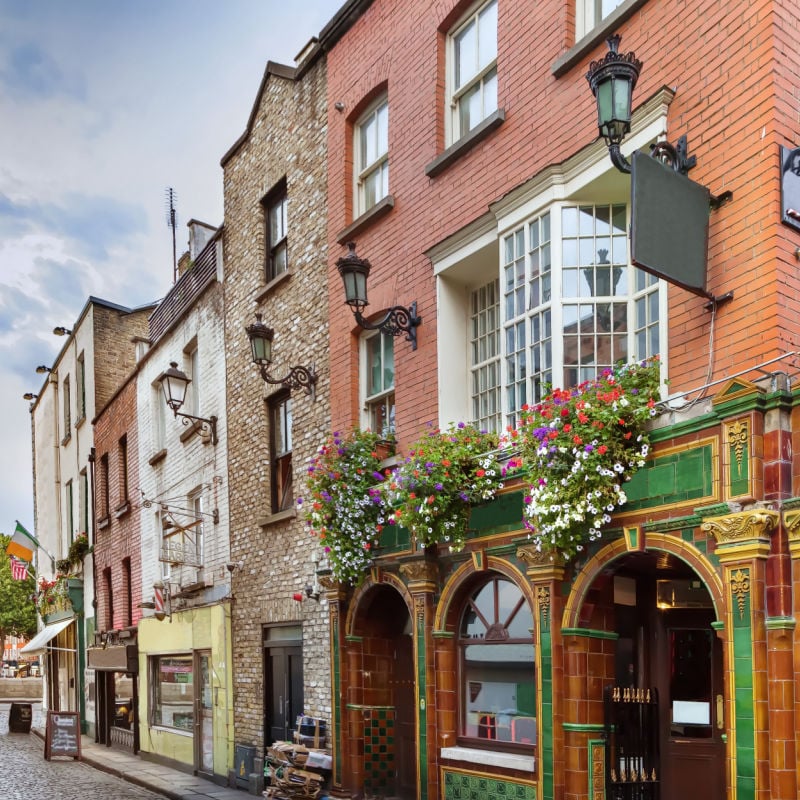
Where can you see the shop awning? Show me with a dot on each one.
(38, 643)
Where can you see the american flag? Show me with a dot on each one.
(19, 569)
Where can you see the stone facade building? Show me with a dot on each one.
(275, 246)
(97, 356)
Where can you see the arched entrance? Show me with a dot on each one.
(382, 697)
(658, 614)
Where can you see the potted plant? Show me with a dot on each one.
(344, 506)
(432, 491)
(579, 447)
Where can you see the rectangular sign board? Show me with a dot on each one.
(62, 735)
(669, 227)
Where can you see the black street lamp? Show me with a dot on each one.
(398, 319)
(298, 377)
(173, 384)
(612, 79)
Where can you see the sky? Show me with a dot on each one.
(103, 105)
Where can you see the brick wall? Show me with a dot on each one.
(117, 537)
(285, 138)
(733, 68)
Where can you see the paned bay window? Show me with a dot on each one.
(570, 305)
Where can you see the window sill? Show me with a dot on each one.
(465, 143)
(103, 522)
(278, 516)
(157, 457)
(383, 206)
(490, 758)
(65, 440)
(80, 421)
(166, 729)
(272, 285)
(121, 510)
(581, 48)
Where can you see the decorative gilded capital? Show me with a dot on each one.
(791, 522)
(422, 571)
(334, 590)
(541, 563)
(744, 527)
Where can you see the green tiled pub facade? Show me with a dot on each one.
(689, 596)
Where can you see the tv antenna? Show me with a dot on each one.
(170, 198)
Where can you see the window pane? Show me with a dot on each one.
(487, 35)
(489, 94)
(466, 54)
(173, 701)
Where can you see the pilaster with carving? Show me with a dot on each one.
(422, 577)
(545, 571)
(744, 543)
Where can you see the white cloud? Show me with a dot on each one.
(103, 106)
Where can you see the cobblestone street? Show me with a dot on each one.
(25, 775)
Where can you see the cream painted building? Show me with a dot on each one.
(185, 644)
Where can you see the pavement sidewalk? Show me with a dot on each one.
(171, 783)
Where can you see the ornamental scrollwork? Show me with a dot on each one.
(543, 599)
(423, 570)
(738, 437)
(740, 587)
(529, 555)
(743, 526)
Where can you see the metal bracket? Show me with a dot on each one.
(719, 199)
(715, 301)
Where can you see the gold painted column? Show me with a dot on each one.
(422, 576)
(545, 572)
(744, 543)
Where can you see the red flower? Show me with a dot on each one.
(480, 472)
(567, 428)
(577, 440)
(602, 449)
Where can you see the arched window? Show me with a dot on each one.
(497, 668)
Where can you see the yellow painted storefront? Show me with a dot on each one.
(204, 635)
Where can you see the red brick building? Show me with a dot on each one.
(464, 161)
(118, 568)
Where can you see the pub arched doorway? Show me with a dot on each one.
(667, 656)
(382, 705)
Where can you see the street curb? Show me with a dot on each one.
(95, 763)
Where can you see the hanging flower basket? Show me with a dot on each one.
(433, 490)
(579, 447)
(344, 506)
(53, 596)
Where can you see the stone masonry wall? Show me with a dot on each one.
(285, 139)
(115, 353)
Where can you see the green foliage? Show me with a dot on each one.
(344, 507)
(447, 472)
(579, 446)
(17, 609)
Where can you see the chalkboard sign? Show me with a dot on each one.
(62, 735)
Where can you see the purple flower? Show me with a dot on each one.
(439, 487)
(461, 425)
(588, 448)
